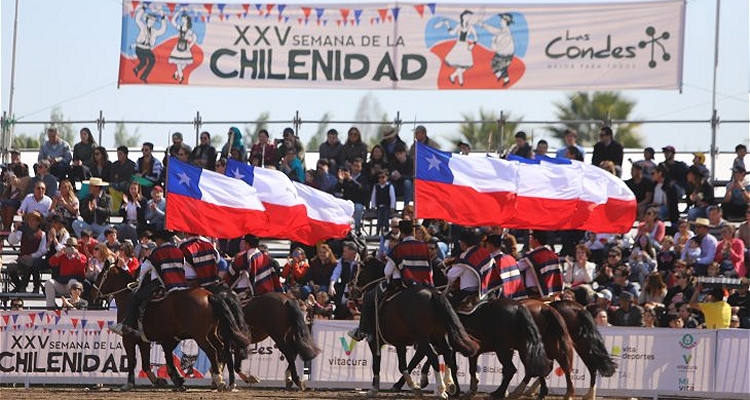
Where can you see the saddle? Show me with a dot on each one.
(470, 304)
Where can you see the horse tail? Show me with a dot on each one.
(596, 351)
(536, 362)
(457, 335)
(227, 308)
(301, 336)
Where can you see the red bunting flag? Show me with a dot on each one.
(420, 9)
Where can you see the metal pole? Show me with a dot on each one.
(197, 123)
(8, 134)
(100, 126)
(714, 113)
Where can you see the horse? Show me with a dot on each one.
(416, 315)
(193, 313)
(588, 342)
(280, 317)
(557, 343)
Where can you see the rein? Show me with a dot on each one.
(129, 287)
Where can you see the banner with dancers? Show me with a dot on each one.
(405, 45)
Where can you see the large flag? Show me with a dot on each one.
(207, 203)
(548, 193)
(296, 211)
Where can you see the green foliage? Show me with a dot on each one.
(320, 133)
(485, 134)
(599, 106)
(122, 138)
(24, 141)
(65, 129)
(250, 135)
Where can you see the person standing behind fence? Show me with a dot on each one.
(607, 148)
(383, 201)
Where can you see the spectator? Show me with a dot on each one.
(292, 166)
(420, 135)
(649, 318)
(683, 287)
(41, 174)
(652, 228)
(569, 139)
(68, 271)
(110, 240)
(79, 172)
(75, 301)
(604, 273)
(323, 180)
(579, 271)
(101, 166)
(682, 236)
(700, 195)
(332, 151)
(84, 150)
(608, 149)
(57, 152)
(87, 244)
(647, 164)
(643, 188)
(521, 148)
(653, 290)
(601, 318)
(730, 254)
(16, 304)
(133, 213)
(739, 161)
(33, 241)
(628, 314)
(376, 164)
(707, 245)
(737, 197)
(66, 204)
(174, 150)
(204, 155)
(97, 207)
(156, 209)
(383, 200)
(666, 195)
(342, 278)
(320, 305)
(402, 174)
(541, 148)
(674, 321)
(319, 274)
(699, 162)
(103, 258)
(620, 284)
(716, 311)
(676, 171)
(354, 186)
(122, 170)
(36, 201)
(390, 140)
(295, 270)
(127, 260)
(740, 303)
(147, 166)
(354, 146)
(183, 156)
(15, 183)
(264, 149)
(464, 148)
(221, 166)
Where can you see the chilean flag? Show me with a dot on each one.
(207, 203)
(297, 212)
(546, 193)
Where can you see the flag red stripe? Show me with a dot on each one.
(187, 214)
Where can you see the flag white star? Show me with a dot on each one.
(434, 163)
(237, 174)
(184, 178)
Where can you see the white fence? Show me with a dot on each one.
(76, 347)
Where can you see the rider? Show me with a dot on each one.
(470, 268)
(201, 260)
(407, 264)
(253, 270)
(163, 269)
(505, 279)
(544, 276)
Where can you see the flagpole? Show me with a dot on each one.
(714, 114)
(8, 133)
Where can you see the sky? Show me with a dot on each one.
(68, 54)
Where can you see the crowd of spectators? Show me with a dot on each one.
(68, 198)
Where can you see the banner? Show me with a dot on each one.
(613, 46)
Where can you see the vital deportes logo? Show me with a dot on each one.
(347, 346)
(688, 341)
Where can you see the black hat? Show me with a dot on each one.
(406, 226)
(164, 234)
(521, 135)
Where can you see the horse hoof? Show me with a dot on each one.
(251, 379)
(303, 386)
(417, 392)
(233, 388)
(161, 382)
(372, 393)
(468, 395)
(127, 387)
(289, 384)
(396, 387)
(180, 388)
(423, 382)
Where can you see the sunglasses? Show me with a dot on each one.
(76, 288)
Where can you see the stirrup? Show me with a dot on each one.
(357, 334)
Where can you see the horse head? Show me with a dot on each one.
(369, 273)
(111, 281)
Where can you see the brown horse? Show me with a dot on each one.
(588, 342)
(183, 314)
(417, 315)
(281, 318)
(557, 343)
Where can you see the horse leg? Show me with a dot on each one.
(416, 359)
(506, 360)
(567, 363)
(401, 355)
(591, 394)
(543, 390)
(440, 391)
(473, 379)
(212, 345)
(177, 379)
(519, 391)
(287, 349)
(129, 345)
(145, 349)
(375, 369)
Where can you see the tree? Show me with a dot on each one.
(320, 133)
(24, 141)
(65, 129)
(122, 138)
(477, 132)
(598, 106)
(369, 109)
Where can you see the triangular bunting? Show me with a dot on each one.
(431, 6)
(5, 319)
(83, 323)
(15, 318)
(306, 12)
(171, 7)
(32, 316)
(319, 12)
(395, 12)
(344, 13)
(209, 7)
(383, 13)
(357, 15)
(100, 323)
(281, 8)
(420, 9)
(74, 321)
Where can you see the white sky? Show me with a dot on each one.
(68, 54)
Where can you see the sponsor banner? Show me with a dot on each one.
(732, 368)
(59, 345)
(673, 360)
(634, 45)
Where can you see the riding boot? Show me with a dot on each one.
(366, 317)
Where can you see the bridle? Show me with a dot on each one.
(103, 277)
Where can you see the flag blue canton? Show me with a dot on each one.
(183, 179)
(432, 164)
(241, 171)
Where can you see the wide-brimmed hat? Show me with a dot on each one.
(389, 133)
(96, 181)
(71, 242)
(702, 222)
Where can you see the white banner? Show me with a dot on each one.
(732, 373)
(405, 45)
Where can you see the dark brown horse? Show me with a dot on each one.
(557, 343)
(183, 314)
(278, 316)
(588, 342)
(419, 316)
(502, 326)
